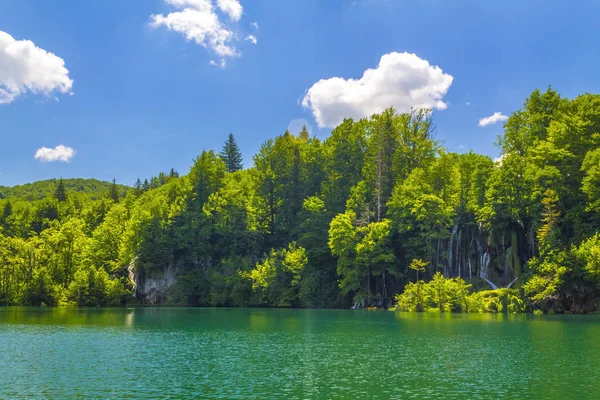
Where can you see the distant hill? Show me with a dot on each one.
(94, 188)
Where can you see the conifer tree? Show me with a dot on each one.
(114, 191)
(138, 187)
(231, 155)
(304, 134)
(60, 192)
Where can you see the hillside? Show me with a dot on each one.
(94, 188)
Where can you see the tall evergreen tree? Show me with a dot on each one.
(114, 191)
(4, 217)
(60, 192)
(304, 134)
(231, 155)
(137, 187)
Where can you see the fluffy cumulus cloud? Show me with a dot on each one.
(492, 119)
(24, 67)
(401, 80)
(202, 21)
(252, 38)
(59, 153)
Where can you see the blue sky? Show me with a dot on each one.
(139, 97)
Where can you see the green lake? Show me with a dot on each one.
(294, 354)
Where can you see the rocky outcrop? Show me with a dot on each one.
(152, 289)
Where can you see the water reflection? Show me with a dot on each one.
(257, 353)
(66, 316)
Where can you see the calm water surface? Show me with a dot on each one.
(294, 354)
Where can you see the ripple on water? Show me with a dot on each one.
(297, 354)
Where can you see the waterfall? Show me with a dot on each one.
(508, 259)
(359, 304)
(437, 256)
(484, 262)
(470, 269)
(450, 245)
(482, 255)
(458, 251)
(470, 255)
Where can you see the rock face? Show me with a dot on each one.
(153, 289)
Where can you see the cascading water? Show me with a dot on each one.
(437, 255)
(450, 248)
(484, 263)
(458, 252)
(482, 255)
(470, 269)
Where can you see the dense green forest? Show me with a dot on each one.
(377, 214)
(88, 189)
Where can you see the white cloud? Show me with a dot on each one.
(24, 67)
(198, 21)
(492, 119)
(252, 38)
(59, 153)
(461, 146)
(401, 80)
(254, 25)
(233, 8)
(468, 104)
(221, 63)
(498, 160)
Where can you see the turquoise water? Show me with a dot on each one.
(294, 354)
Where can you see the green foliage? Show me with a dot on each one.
(363, 252)
(549, 274)
(418, 265)
(589, 255)
(276, 278)
(206, 176)
(420, 215)
(496, 301)
(416, 297)
(591, 181)
(377, 208)
(91, 188)
(454, 295)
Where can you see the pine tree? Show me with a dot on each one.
(138, 187)
(231, 155)
(4, 217)
(60, 193)
(304, 134)
(114, 191)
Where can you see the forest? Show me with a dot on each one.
(379, 214)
